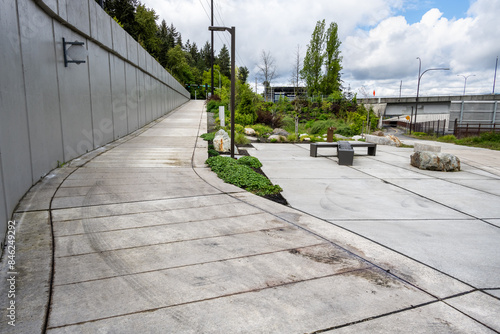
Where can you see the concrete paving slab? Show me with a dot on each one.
(493, 292)
(105, 264)
(488, 185)
(277, 309)
(479, 306)
(494, 221)
(138, 207)
(433, 318)
(469, 201)
(141, 292)
(98, 241)
(27, 283)
(360, 199)
(174, 190)
(141, 220)
(434, 242)
(416, 273)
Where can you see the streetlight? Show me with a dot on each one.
(418, 84)
(465, 77)
(232, 31)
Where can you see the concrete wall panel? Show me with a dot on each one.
(62, 9)
(132, 98)
(141, 100)
(119, 39)
(74, 93)
(42, 95)
(104, 27)
(132, 45)
(119, 95)
(14, 135)
(79, 16)
(100, 89)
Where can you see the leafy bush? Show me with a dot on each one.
(242, 176)
(261, 129)
(212, 153)
(240, 139)
(249, 161)
(208, 136)
(447, 139)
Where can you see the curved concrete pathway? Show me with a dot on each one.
(140, 236)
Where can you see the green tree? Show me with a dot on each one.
(313, 62)
(124, 12)
(178, 65)
(224, 61)
(243, 74)
(331, 79)
(147, 30)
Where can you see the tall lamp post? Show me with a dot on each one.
(418, 85)
(232, 31)
(465, 77)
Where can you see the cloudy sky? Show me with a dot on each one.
(381, 39)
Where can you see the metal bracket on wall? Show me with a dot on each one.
(75, 52)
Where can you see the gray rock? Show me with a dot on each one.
(222, 142)
(435, 161)
(418, 147)
(379, 140)
(280, 132)
(249, 132)
(278, 138)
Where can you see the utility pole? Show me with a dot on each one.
(495, 78)
(212, 58)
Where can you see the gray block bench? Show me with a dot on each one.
(313, 148)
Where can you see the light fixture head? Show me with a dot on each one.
(76, 53)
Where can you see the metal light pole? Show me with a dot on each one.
(465, 77)
(418, 85)
(212, 51)
(232, 31)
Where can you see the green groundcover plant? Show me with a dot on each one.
(241, 173)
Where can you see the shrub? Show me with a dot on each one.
(242, 176)
(212, 153)
(262, 129)
(240, 139)
(249, 161)
(447, 139)
(208, 136)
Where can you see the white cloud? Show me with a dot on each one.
(379, 49)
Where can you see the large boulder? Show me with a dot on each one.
(280, 132)
(418, 147)
(385, 140)
(222, 142)
(435, 161)
(250, 132)
(276, 138)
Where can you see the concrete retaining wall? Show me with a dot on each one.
(50, 113)
(474, 112)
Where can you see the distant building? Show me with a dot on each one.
(274, 93)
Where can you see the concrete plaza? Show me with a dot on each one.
(140, 236)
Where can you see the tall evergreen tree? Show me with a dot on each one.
(124, 12)
(243, 74)
(224, 61)
(331, 79)
(313, 61)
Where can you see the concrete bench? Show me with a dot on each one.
(345, 152)
(313, 148)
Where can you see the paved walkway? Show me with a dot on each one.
(144, 238)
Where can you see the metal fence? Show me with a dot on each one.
(469, 130)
